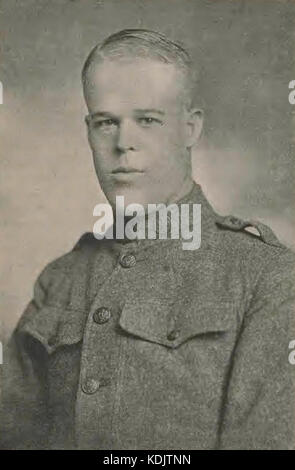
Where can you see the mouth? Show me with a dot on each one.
(126, 175)
(122, 170)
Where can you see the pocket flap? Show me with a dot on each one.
(52, 326)
(157, 321)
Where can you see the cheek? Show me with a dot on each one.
(102, 157)
(168, 144)
(167, 155)
(173, 134)
(102, 144)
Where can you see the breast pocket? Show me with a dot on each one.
(159, 322)
(175, 359)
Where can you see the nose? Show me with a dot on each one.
(126, 136)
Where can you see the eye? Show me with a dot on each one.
(148, 121)
(104, 124)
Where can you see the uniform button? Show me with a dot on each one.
(128, 261)
(101, 315)
(174, 334)
(90, 386)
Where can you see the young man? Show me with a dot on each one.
(140, 344)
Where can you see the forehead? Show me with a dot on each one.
(143, 83)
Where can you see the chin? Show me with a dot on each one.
(132, 195)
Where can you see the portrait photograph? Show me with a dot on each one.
(147, 227)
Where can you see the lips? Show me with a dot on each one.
(125, 170)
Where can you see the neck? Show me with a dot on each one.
(181, 192)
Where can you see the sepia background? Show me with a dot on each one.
(244, 50)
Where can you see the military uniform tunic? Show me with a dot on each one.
(143, 345)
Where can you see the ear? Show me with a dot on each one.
(194, 125)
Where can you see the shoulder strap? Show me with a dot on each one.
(261, 230)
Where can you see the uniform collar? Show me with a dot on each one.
(194, 196)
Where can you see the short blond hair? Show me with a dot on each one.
(148, 44)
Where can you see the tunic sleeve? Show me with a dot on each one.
(259, 404)
(23, 386)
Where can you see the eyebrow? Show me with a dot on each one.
(138, 111)
(151, 110)
(101, 114)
